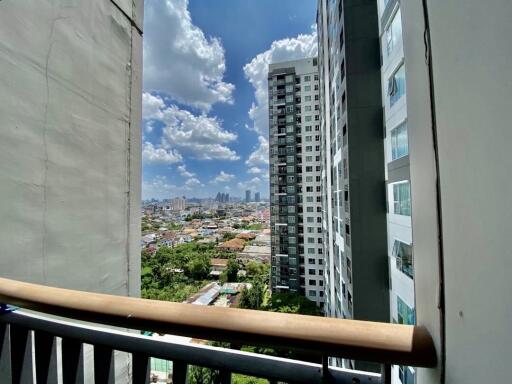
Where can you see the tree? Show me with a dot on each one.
(292, 303)
(203, 375)
(252, 298)
(228, 236)
(254, 269)
(199, 267)
(232, 270)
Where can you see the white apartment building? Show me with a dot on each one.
(396, 149)
(295, 176)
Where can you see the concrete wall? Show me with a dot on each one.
(471, 78)
(70, 110)
(472, 64)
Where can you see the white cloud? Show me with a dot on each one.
(223, 177)
(193, 183)
(255, 170)
(152, 106)
(159, 155)
(254, 184)
(182, 169)
(180, 60)
(158, 188)
(201, 136)
(256, 72)
(148, 126)
(260, 153)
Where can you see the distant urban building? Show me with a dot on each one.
(295, 175)
(257, 197)
(222, 197)
(178, 204)
(353, 178)
(247, 196)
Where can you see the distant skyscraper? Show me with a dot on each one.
(257, 197)
(222, 197)
(247, 196)
(295, 175)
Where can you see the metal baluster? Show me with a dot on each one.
(72, 361)
(140, 368)
(21, 355)
(326, 374)
(225, 377)
(179, 372)
(46, 357)
(5, 353)
(386, 374)
(104, 372)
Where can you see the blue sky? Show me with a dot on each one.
(205, 125)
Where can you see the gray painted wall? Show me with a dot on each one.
(70, 110)
(366, 163)
(472, 65)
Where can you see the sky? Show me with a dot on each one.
(205, 113)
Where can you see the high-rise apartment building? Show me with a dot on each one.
(257, 197)
(179, 203)
(398, 190)
(247, 196)
(353, 179)
(295, 169)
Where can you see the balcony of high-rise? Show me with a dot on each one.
(424, 82)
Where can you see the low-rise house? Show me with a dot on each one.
(247, 236)
(259, 253)
(235, 245)
(149, 238)
(218, 266)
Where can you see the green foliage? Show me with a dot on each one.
(242, 379)
(254, 269)
(160, 278)
(228, 236)
(254, 227)
(174, 226)
(292, 303)
(202, 375)
(253, 298)
(198, 215)
(198, 267)
(232, 270)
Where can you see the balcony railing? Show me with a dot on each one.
(368, 341)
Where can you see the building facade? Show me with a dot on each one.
(179, 204)
(70, 144)
(295, 169)
(353, 178)
(398, 190)
(247, 196)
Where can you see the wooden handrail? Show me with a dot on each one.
(359, 340)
